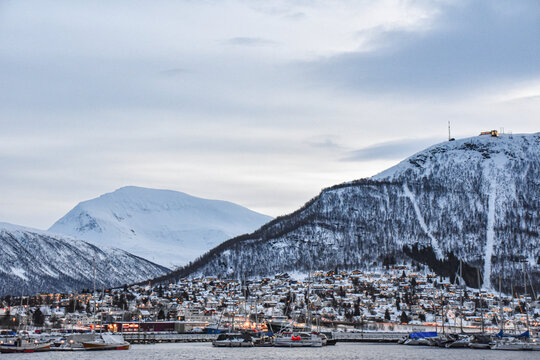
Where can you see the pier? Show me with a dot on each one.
(160, 337)
(369, 336)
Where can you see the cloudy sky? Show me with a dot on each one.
(262, 103)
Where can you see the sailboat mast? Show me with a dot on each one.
(533, 293)
(501, 305)
(443, 314)
(94, 269)
(461, 296)
(480, 300)
(524, 262)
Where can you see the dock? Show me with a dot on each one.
(162, 337)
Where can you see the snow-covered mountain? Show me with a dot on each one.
(475, 199)
(167, 227)
(34, 261)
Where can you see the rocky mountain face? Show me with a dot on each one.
(475, 200)
(33, 261)
(167, 227)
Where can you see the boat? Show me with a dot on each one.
(442, 340)
(24, 345)
(299, 339)
(215, 328)
(73, 342)
(511, 344)
(262, 338)
(106, 341)
(480, 342)
(233, 340)
(418, 341)
(330, 339)
(420, 338)
(278, 324)
(462, 341)
(323, 337)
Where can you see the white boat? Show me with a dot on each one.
(24, 345)
(233, 340)
(511, 344)
(73, 342)
(420, 341)
(107, 341)
(300, 339)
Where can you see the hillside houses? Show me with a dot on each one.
(347, 299)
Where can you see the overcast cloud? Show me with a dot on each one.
(470, 46)
(254, 102)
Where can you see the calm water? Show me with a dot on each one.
(338, 352)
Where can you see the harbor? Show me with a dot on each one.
(400, 304)
(376, 351)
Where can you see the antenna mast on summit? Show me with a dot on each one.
(450, 138)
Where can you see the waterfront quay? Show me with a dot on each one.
(157, 337)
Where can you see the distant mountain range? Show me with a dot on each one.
(167, 227)
(33, 261)
(475, 200)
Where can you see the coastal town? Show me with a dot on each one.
(398, 299)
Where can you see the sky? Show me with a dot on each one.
(262, 103)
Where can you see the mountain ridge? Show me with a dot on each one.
(35, 261)
(476, 197)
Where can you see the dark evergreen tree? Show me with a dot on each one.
(404, 319)
(38, 318)
(387, 315)
(161, 315)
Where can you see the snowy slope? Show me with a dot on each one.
(34, 261)
(167, 227)
(475, 199)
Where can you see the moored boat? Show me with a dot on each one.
(462, 341)
(480, 342)
(233, 340)
(300, 339)
(511, 344)
(25, 345)
(106, 341)
(330, 339)
(420, 338)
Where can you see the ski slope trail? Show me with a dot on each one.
(434, 242)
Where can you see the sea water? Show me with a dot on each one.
(337, 352)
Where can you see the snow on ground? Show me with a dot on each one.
(17, 271)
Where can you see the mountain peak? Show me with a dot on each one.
(166, 226)
(476, 200)
(478, 148)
